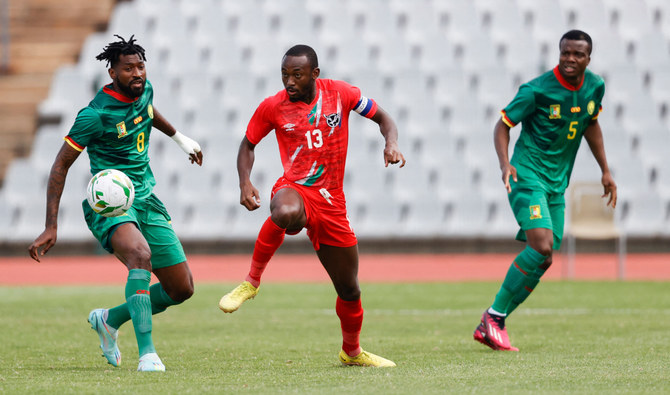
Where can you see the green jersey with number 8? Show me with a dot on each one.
(116, 131)
(554, 116)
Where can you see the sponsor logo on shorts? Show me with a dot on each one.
(535, 212)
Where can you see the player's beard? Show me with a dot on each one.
(129, 91)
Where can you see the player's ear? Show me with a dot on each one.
(316, 72)
(112, 73)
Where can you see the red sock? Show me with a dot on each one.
(351, 320)
(269, 239)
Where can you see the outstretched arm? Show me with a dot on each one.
(190, 146)
(389, 130)
(594, 136)
(501, 142)
(249, 196)
(65, 158)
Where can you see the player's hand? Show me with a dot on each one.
(609, 187)
(507, 171)
(47, 240)
(393, 155)
(196, 158)
(249, 196)
(190, 146)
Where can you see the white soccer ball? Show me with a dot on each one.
(110, 193)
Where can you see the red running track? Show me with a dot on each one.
(60, 270)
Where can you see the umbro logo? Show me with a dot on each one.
(289, 127)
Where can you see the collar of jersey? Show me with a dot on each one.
(565, 83)
(108, 90)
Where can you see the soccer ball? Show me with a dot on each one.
(110, 193)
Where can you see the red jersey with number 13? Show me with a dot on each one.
(312, 137)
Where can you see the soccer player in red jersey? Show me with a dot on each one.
(310, 118)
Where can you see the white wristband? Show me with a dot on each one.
(189, 145)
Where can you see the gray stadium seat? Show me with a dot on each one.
(452, 66)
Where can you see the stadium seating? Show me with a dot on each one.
(441, 68)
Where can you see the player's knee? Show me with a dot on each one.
(544, 246)
(139, 258)
(181, 290)
(184, 293)
(285, 216)
(547, 263)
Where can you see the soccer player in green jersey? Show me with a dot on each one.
(556, 109)
(115, 127)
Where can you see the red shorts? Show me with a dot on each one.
(326, 210)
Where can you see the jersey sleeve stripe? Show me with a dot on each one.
(505, 119)
(73, 144)
(366, 107)
(600, 109)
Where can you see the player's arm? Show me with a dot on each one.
(501, 142)
(188, 145)
(249, 196)
(594, 137)
(389, 130)
(64, 160)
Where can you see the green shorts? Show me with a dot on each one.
(152, 219)
(535, 208)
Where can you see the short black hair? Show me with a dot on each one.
(579, 36)
(304, 50)
(113, 51)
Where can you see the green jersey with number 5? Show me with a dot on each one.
(554, 116)
(116, 130)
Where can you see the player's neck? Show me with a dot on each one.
(576, 81)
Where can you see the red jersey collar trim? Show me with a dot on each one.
(108, 90)
(565, 83)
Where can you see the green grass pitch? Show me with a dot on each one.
(575, 337)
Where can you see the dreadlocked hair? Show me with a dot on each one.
(113, 51)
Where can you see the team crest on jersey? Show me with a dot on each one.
(591, 107)
(150, 110)
(121, 128)
(535, 212)
(555, 111)
(332, 120)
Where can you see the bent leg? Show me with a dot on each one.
(538, 241)
(521, 273)
(174, 287)
(287, 212)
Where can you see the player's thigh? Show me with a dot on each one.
(103, 228)
(130, 247)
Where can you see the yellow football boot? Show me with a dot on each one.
(234, 299)
(365, 359)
